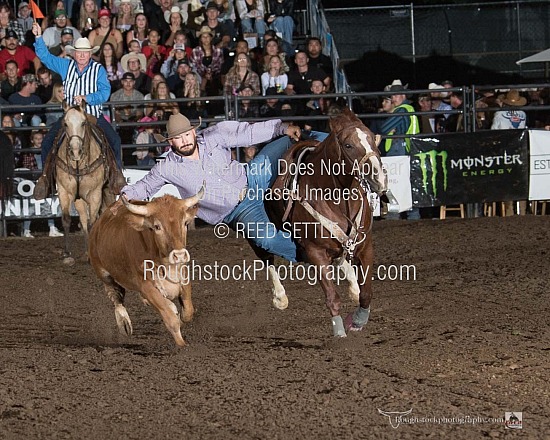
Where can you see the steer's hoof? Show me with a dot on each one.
(349, 326)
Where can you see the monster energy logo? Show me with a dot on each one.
(433, 155)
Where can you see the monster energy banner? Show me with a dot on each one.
(470, 167)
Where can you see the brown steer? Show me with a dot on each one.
(143, 248)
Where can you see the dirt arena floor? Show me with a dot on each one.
(465, 342)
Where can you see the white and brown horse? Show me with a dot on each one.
(333, 230)
(81, 168)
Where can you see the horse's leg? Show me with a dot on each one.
(82, 209)
(351, 277)
(326, 275)
(356, 320)
(280, 300)
(65, 203)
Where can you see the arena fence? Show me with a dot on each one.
(24, 207)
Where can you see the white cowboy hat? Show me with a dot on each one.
(176, 10)
(133, 56)
(205, 30)
(83, 45)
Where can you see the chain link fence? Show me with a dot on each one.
(481, 41)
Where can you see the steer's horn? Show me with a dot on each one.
(192, 201)
(135, 209)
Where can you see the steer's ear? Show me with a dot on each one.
(138, 222)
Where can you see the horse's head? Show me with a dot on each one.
(75, 122)
(358, 147)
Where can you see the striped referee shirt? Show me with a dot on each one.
(91, 83)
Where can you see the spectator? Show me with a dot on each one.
(57, 97)
(272, 47)
(511, 118)
(241, 75)
(272, 106)
(139, 31)
(170, 65)
(157, 78)
(227, 17)
(281, 20)
(427, 122)
(26, 59)
(317, 106)
(440, 120)
(455, 121)
(275, 76)
(33, 161)
(229, 61)
(105, 33)
(247, 107)
(135, 64)
(128, 112)
(24, 18)
(300, 78)
(53, 7)
(191, 89)
(8, 22)
(134, 46)
(155, 11)
(400, 123)
(162, 110)
(26, 97)
(176, 80)
(12, 83)
(125, 18)
(316, 58)
(67, 39)
(176, 19)
(221, 36)
(109, 60)
(145, 156)
(386, 107)
(88, 18)
(46, 81)
(207, 61)
(7, 125)
(52, 35)
(155, 53)
(251, 13)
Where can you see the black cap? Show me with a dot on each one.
(212, 5)
(67, 31)
(183, 61)
(129, 75)
(12, 34)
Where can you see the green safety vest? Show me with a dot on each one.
(414, 128)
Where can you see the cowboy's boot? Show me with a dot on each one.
(42, 188)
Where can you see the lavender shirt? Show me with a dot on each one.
(225, 178)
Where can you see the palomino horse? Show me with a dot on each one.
(81, 171)
(331, 213)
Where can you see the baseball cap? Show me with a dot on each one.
(212, 5)
(129, 75)
(67, 31)
(12, 34)
(29, 77)
(104, 13)
(22, 5)
(179, 46)
(59, 13)
(183, 61)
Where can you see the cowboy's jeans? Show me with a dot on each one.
(112, 138)
(250, 218)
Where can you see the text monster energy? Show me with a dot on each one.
(433, 155)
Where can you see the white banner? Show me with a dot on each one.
(539, 167)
